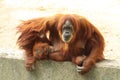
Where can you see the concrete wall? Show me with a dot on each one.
(13, 69)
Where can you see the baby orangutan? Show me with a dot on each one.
(43, 51)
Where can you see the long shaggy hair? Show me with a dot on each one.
(86, 39)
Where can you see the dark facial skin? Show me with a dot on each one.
(67, 31)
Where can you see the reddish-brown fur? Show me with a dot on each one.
(87, 43)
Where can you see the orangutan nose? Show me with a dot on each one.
(67, 34)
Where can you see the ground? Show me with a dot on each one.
(104, 14)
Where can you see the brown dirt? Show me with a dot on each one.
(104, 14)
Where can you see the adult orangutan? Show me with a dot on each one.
(62, 37)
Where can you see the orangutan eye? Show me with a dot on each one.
(68, 28)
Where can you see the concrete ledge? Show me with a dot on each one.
(13, 69)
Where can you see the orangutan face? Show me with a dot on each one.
(67, 31)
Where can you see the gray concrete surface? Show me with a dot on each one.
(13, 69)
